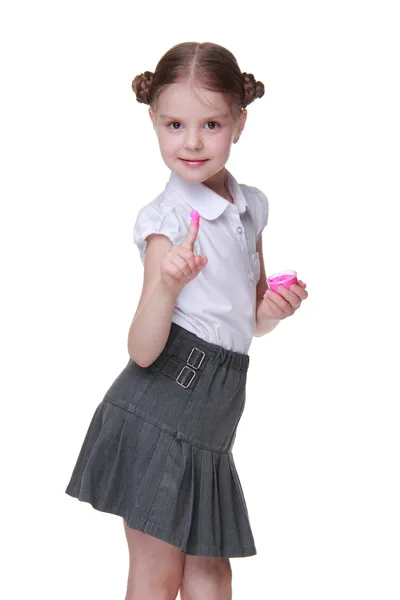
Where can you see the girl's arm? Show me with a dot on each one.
(167, 269)
(151, 324)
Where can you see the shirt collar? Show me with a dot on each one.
(208, 203)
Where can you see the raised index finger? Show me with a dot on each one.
(191, 235)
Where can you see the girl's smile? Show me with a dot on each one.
(193, 163)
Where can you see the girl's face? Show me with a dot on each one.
(195, 124)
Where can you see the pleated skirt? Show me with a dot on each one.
(158, 449)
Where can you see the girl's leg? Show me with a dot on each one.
(204, 577)
(155, 567)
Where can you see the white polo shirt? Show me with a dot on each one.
(219, 305)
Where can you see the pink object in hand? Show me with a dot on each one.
(285, 278)
(195, 217)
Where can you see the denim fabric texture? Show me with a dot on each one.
(158, 450)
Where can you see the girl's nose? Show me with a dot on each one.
(193, 141)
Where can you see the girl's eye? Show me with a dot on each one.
(214, 124)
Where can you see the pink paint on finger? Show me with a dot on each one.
(285, 278)
(195, 217)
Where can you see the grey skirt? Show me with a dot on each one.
(158, 450)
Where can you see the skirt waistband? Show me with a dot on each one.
(187, 346)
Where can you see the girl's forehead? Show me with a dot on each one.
(187, 99)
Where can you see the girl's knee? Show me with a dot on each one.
(153, 588)
(155, 567)
(206, 578)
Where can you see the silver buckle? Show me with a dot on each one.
(202, 358)
(193, 376)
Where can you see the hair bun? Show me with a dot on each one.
(141, 86)
(252, 89)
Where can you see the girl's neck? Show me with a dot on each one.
(217, 183)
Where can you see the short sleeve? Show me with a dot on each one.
(157, 217)
(262, 212)
(259, 210)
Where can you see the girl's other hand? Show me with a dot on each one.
(274, 306)
(181, 265)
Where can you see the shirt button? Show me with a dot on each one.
(239, 229)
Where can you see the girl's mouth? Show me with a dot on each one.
(193, 163)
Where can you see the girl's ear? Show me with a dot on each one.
(240, 126)
(151, 116)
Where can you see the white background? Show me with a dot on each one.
(317, 449)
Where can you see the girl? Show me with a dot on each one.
(158, 451)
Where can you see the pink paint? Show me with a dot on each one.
(195, 217)
(285, 278)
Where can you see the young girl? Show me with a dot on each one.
(158, 451)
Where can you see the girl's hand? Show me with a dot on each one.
(181, 265)
(273, 306)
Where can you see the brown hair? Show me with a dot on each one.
(208, 64)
